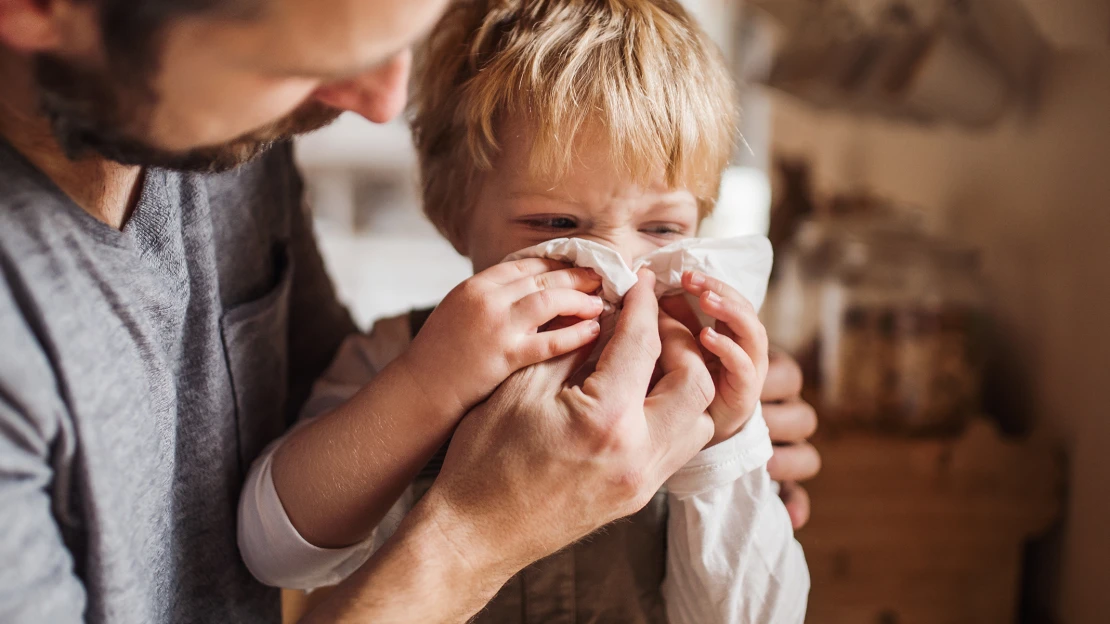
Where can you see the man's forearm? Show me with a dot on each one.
(338, 476)
(425, 573)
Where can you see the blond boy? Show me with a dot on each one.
(608, 120)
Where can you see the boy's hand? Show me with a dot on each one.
(488, 327)
(735, 347)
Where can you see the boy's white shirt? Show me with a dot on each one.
(731, 552)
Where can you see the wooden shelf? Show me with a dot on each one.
(926, 531)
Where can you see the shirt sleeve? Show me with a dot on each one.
(37, 579)
(731, 553)
(272, 549)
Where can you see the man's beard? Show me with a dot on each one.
(89, 111)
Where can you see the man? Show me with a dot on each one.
(163, 313)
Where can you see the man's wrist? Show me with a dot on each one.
(475, 562)
(426, 572)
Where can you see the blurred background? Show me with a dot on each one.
(933, 175)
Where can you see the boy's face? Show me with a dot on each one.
(594, 200)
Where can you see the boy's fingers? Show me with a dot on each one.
(509, 272)
(739, 368)
(551, 344)
(624, 369)
(576, 278)
(540, 307)
(696, 283)
(739, 322)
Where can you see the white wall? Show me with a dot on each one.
(1035, 194)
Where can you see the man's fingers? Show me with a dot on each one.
(678, 307)
(675, 409)
(576, 278)
(796, 462)
(624, 369)
(790, 421)
(541, 307)
(549, 344)
(784, 379)
(547, 377)
(796, 500)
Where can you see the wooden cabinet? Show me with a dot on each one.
(926, 531)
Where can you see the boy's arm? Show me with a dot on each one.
(366, 434)
(731, 554)
(338, 474)
(272, 548)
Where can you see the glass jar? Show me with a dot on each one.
(793, 311)
(899, 344)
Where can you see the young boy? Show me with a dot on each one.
(604, 120)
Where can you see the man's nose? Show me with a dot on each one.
(378, 95)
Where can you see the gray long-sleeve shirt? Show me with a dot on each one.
(140, 372)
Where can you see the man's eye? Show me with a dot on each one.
(552, 223)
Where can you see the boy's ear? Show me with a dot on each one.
(35, 26)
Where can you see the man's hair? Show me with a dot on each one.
(641, 71)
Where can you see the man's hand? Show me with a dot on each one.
(488, 327)
(791, 421)
(542, 464)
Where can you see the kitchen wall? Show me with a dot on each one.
(1034, 193)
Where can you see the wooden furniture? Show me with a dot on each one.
(925, 531)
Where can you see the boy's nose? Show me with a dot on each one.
(379, 94)
(615, 241)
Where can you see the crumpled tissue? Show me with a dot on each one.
(743, 263)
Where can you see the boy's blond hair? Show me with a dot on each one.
(640, 70)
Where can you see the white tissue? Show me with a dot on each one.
(743, 263)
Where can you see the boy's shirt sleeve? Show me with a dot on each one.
(272, 549)
(731, 553)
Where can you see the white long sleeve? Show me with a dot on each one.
(731, 553)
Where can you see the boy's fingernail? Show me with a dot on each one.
(696, 279)
(711, 333)
(713, 298)
(595, 328)
(598, 301)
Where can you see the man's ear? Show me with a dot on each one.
(31, 26)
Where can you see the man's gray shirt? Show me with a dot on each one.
(140, 373)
